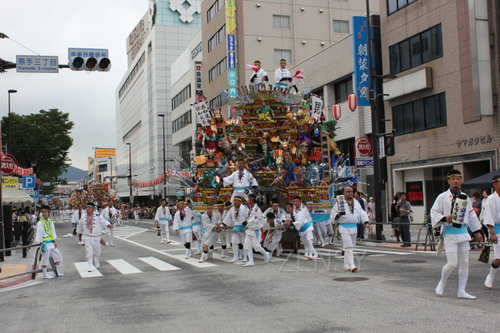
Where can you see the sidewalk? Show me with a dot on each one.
(16, 264)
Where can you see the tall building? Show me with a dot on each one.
(144, 93)
(101, 166)
(236, 33)
(444, 100)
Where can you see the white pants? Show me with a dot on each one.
(164, 229)
(272, 243)
(53, 252)
(496, 250)
(225, 238)
(238, 237)
(92, 247)
(110, 233)
(348, 244)
(306, 238)
(186, 237)
(252, 243)
(209, 239)
(320, 231)
(197, 233)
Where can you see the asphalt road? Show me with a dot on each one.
(286, 295)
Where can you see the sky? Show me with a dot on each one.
(49, 28)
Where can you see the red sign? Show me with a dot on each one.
(8, 164)
(364, 146)
(415, 193)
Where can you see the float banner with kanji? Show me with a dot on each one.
(360, 52)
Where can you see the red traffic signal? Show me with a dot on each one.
(104, 65)
(89, 59)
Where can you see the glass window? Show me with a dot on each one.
(397, 120)
(394, 57)
(342, 90)
(341, 26)
(431, 112)
(402, 3)
(408, 117)
(442, 109)
(282, 54)
(436, 42)
(404, 55)
(416, 54)
(281, 21)
(392, 6)
(418, 116)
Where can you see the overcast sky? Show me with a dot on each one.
(50, 27)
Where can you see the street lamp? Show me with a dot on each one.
(130, 172)
(164, 160)
(9, 142)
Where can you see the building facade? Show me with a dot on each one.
(144, 93)
(101, 166)
(267, 31)
(443, 101)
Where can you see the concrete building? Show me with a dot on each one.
(186, 89)
(268, 31)
(444, 101)
(144, 92)
(101, 166)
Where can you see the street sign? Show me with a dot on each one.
(364, 162)
(10, 182)
(29, 181)
(364, 146)
(37, 64)
(8, 164)
(36, 194)
(381, 147)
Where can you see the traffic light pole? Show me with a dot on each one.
(377, 109)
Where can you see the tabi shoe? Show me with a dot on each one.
(465, 295)
(249, 264)
(440, 288)
(488, 283)
(235, 258)
(90, 269)
(241, 256)
(203, 258)
(354, 269)
(48, 276)
(267, 256)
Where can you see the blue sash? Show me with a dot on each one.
(348, 225)
(185, 228)
(44, 245)
(451, 230)
(305, 227)
(497, 228)
(240, 188)
(239, 228)
(163, 219)
(196, 223)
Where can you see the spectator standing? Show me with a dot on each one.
(405, 210)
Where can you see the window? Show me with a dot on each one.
(217, 38)
(419, 115)
(281, 21)
(181, 97)
(218, 102)
(103, 167)
(216, 7)
(282, 54)
(416, 50)
(342, 90)
(217, 70)
(132, 75)
(185, 148)
(395, 5)
(341, 26)
(181, 122)
(347, 147)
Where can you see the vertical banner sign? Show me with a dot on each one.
(360, 52)
(203, 113)
(316, 107)
(197, 79)
(232, 62)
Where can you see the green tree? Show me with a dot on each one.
(40, 140)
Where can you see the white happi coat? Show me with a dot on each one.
(347, 223)
(231, 220)
(110, 214)
(442, 208)
(492, 218)
(208, 227)
(280, 215)
(240, 185)
(255, 220)
(76, 216)
(51, 250)
(183, 225)
(99, 225)
(303, 221)
(163, 215)
(259, 76)
(281, 73)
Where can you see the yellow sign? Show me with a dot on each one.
(230, 16)
(10, 182)
(105, 152)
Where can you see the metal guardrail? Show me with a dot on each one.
(26, 248)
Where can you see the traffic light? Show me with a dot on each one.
(89, 60)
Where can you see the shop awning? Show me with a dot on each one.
(483, 181)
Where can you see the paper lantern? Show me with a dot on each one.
(352, 102)
(337, 111)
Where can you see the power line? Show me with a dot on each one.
(2, 36)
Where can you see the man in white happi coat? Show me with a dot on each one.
(253, 232)
(163, 218)
(91, 226)
(455, 235)
(236, 218)
(273, 237)
(492, 221)
(196, 223)
(303, 223)
(46, 234)
(211, 222)
(260, 77)
(279, 213)
(224, 235)
(75, 218)
(283, 78)
(110, 214)
(347, 214)
(183, 226)
(241, 180)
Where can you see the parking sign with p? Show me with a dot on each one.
(29, 181)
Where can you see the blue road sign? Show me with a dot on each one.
(29, 181)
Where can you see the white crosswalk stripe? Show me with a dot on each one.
(159, 264)
(124, 267)
(82, 268)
